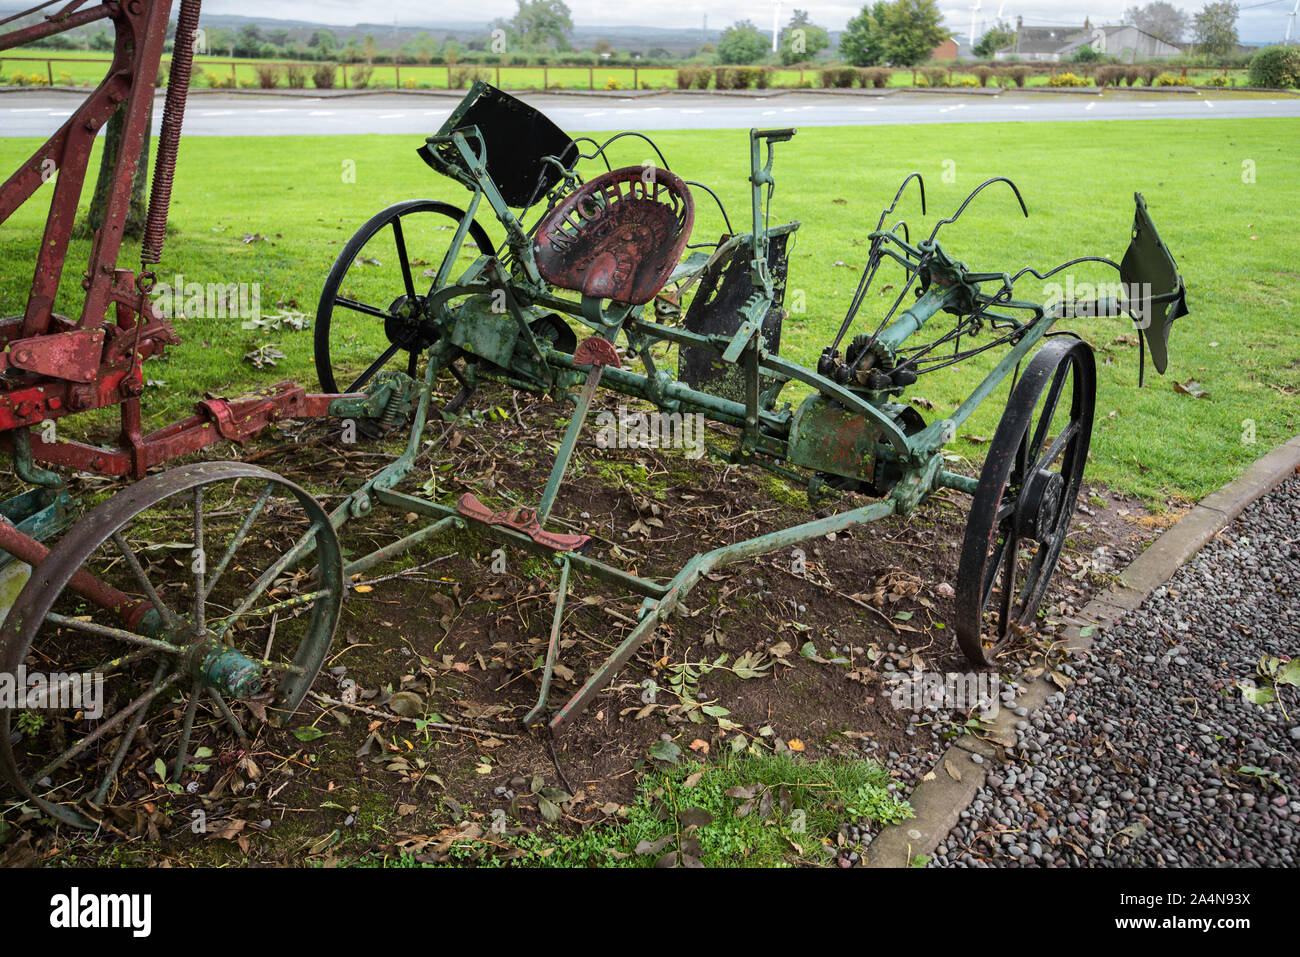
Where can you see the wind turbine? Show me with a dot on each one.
(776, 23)
(1290, 23)
(974, 12)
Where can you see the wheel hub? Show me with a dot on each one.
(1040, 505)
(406, 326)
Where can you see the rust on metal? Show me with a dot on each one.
(521, 520)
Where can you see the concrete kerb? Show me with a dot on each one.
(951, 785)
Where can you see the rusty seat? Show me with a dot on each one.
(618, 236)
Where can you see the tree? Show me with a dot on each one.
(601, 47)
(863, 43)
(323, 42)
(540, 25)
(741, 43)
(912, 29)
(1159, 19)
(1085, 54)
(1215, 28)
(802, 40)
(138, 210)
(993, 40)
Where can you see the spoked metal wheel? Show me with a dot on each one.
(374, 311)
(159, 624)
(1025, 499)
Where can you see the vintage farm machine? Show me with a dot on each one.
(595, 284)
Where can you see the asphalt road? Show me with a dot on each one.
(40, 114)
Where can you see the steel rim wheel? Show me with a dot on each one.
(1025, 500)
(373, 312)
(210, 622)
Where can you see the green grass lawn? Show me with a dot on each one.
(1233, 240)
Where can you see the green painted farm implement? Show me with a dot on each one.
(598, 284)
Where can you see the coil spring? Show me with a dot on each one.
(169, 137)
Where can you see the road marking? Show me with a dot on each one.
(279, 109)
(866, 109)
(1209, 105)
(1020, 107)
(769, 113)
(321, 113)
(392, 116)
(597, 113)
(28, 109)
(217, 113)
(690, 111)
(1090, 106)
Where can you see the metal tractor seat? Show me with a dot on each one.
(618, 236)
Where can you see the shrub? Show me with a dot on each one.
(268, 75)
(1277, 68)
(1216, 81)
(361, 74)
(1019, 74)
(613, 84)
(1167, 79)
(1149, 73)
(295, 74)
(762, 77)
(1131, 75)
(968, 81)
(982, 74)
(1067, 79)
(935, 76)
(686, 77)
(875, 76)
(838, 77)
(323, 76)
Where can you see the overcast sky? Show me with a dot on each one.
(1263, 22)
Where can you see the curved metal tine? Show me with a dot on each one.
(124, 746)
(132, 562)
(600, 151)
(725, 218)
(241, 534)
(975, 192)
(200, 560)
(374, 367)
(907, 235)
(899, 195)
(1069, 262)
(111, 724)
(402, 258)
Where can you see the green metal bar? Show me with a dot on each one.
(508, 536)
(565, 452)
(690, 575)
(552, 649)
(962, 483)
(398, 547)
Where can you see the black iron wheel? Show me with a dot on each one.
(373, 312)
(1025, 500)
(160, 624)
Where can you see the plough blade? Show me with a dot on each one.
(1151, 278)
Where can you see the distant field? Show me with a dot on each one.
(65, 68)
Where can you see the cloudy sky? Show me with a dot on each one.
(1260, 20)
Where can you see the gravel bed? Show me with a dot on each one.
(1153, 757)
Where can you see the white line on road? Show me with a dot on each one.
(216, 112)
(1090, 106)
(321, 113)
(392, 116)
(278, 109)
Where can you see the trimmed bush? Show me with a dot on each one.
(295, 74)
(1067, 79)
(1149, 73)
(876, 76)
(268, 75)
(686, 77)
(323, 76)
(1019, 74)
(839, 77)
(1277, 68)
(361, 74)
(935, 76)
(982, 74)
(1131, 75)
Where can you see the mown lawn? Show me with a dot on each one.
(274, 211)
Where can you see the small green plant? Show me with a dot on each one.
(30, 723)
(1167, 79)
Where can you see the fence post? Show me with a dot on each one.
(398, 70)
(546, 85)
(449, 76)
(343, 69)
(234, 79)
(591, 78)
(635, 84)
(49, 69)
